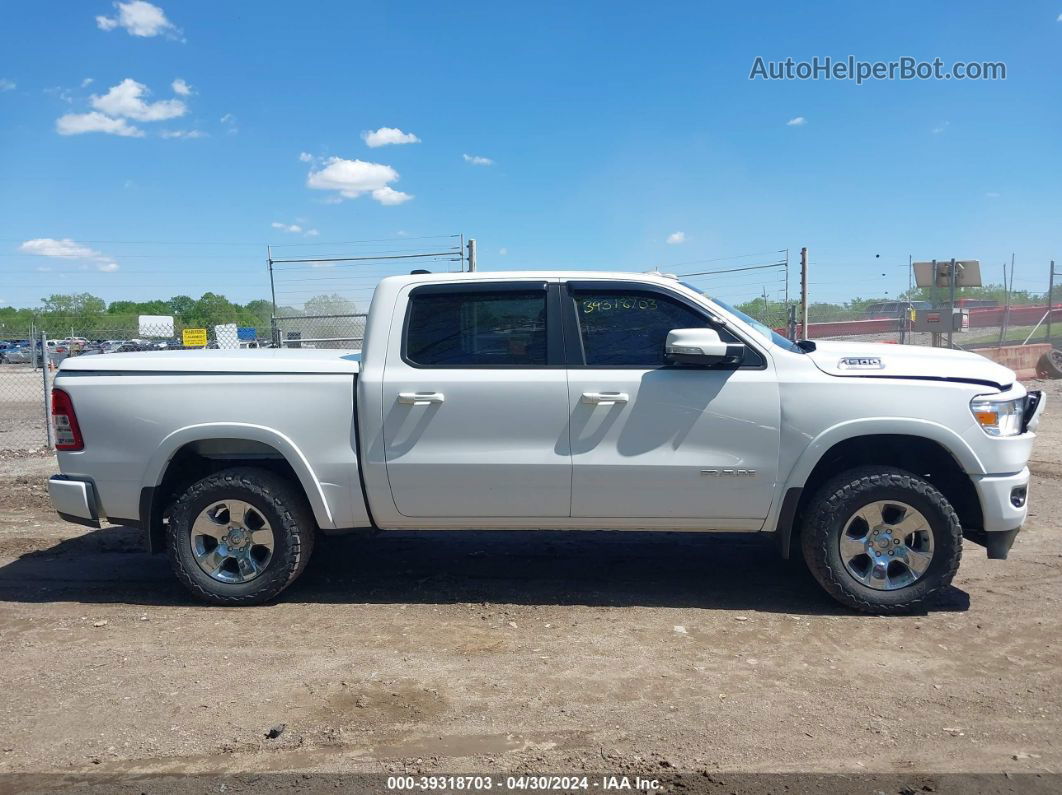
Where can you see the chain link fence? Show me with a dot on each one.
(320, 331)
(24, 389)
(980, 327)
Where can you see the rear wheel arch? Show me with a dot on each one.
(186, 460)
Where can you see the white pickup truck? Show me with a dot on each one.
(552, 400)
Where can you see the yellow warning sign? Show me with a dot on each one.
(194, 337)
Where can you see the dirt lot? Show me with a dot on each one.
(558, 652)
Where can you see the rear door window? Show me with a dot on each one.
(477, 329)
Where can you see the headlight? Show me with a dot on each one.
(998, 417)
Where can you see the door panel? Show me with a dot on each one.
(475, 411)
(673, 441)
(666, 451)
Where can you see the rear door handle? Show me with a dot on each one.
(420, 398)
(605, 398)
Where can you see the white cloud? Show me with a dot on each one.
(78, 123)
(476, 160)
(1059, 18)
(503, 251)
(388, 135)
(229, 122)
(139, 18)
(292, 228)
(88, 81)
(352, 178)
(127, 99)
(50, 247)
(390, 196)
(295, 229)
(796, 121)
(64, 94)
(7, 85)
(67, 249)
(675, 238)
(179, 86)
(305, 157)
(941, 128)
(183, 134)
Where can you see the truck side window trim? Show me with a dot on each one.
(576, 355)
(554, 336)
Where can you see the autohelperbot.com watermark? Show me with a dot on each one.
(851, 68)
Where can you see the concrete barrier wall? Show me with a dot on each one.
(1021, 359)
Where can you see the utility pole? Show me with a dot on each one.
(951, 301)
(274, 335)
(787, 279)
(1050, 298)
(804, 291)
(472, 254)
(766, 306)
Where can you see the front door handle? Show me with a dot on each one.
(420, 398)
(605, 398)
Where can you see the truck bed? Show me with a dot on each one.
(281, 360)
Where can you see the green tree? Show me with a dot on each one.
(181, 306)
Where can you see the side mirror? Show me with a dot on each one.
(700, 346)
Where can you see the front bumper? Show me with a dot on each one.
(997, 494)
(74, 500)
(1004, 506)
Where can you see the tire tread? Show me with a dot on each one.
(817, 534)
(297, 523)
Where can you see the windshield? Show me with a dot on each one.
(766, 332)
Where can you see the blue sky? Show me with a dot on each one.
(609, 128)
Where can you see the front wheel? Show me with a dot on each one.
(881, 540)
(240, 536)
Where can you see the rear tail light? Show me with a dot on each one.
(64, 422)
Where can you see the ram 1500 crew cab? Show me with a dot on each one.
(552, 400)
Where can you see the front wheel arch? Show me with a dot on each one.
(918, 455)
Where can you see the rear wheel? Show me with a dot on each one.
(881, 540)
(240, 536)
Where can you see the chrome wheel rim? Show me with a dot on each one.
(232, 541)
(887, 545)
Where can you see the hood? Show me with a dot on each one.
(881, 360)
(265, 360)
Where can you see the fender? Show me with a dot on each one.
(169, 446)
(783, 511)
(900, 426)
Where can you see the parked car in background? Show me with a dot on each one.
(886, 309)
(16, 354)
(136, 345)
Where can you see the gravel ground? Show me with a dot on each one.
(521, 651)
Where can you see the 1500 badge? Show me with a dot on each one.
(861, 363)
(729, 473)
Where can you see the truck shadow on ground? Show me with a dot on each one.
(590, 568)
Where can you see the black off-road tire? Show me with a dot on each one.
(282, 503)
(832, 506)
